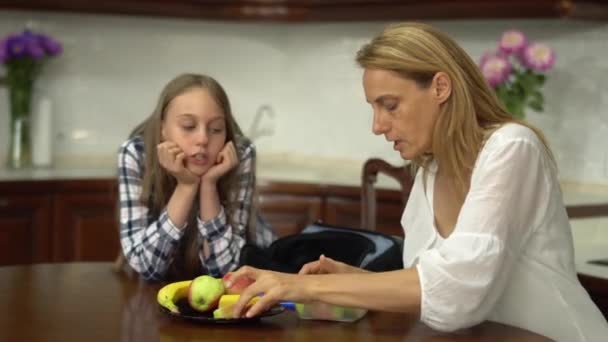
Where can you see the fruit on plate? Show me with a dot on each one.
(205, 292)
(240, 285)
(226, 304)
(169, 294)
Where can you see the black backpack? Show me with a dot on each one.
(370, 250)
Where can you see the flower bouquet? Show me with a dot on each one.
(516, 70)
(23, 55)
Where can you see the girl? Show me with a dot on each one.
(487, 236)
(186, 183)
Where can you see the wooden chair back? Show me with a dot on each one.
(369, 177)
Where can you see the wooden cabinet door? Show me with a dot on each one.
(346, 212)
(289, 214)
(25, 229)
(343, 212)
(85, 227)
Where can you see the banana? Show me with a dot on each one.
(169, 294)
(231, 299)
(226, 304)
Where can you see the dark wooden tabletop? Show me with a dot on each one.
(90, 302)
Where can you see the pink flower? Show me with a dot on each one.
(496, 69)
(512, 42)
(488, 54)
(538, 57)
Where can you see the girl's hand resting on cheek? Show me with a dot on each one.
(171, 157)
(226, 160)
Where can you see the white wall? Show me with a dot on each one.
(113, 68)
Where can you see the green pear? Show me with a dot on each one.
(205, 292)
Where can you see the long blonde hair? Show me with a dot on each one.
(417, 52)
(158, 185)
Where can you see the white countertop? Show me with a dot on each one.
(592, 251)
(590, 236)
(275, 167)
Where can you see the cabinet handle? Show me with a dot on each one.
(3, 202)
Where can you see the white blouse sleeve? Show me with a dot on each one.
(508, 198)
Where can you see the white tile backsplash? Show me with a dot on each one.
(113, 68)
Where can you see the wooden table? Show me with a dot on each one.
(90, 302)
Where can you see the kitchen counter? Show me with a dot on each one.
(276, 167)
(590, 235)
(591, 251)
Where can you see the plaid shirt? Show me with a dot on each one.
(149, 243)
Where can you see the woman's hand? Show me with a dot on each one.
(171, 158)
(226, 160)
(274, 286)
(327, 265)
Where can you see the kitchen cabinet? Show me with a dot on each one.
(24, 229)
(289, 207)
(288, 214)
(56, 221)
(85, 227)
(77, 220)
(346, 212)
(326, 10)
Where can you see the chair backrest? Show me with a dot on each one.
(369, 176)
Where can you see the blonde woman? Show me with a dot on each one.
(186, 181)
(486, 231)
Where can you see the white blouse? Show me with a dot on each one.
(510, 258)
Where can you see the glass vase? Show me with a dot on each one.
(20, 98)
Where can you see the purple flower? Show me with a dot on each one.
(538, 57)
(496, 70)
(50, 46)
(32, 46)
(28, 45)
(512, 42)
(15, 46)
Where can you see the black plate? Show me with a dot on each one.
(188, 314)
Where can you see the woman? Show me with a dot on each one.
(486, 232)
(186, 179)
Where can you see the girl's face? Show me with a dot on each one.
(195, 122)
(403, 111)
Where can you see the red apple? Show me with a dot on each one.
(238, 286)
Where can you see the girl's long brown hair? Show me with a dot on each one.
(158, 185)
(417, 52)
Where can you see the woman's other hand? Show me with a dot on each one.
(227, 159)
(171, 157)
(327, 265)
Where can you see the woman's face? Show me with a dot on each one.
(195, 122)
(403, 111)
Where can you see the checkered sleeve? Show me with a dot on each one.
(147, 242)
(226, 240)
